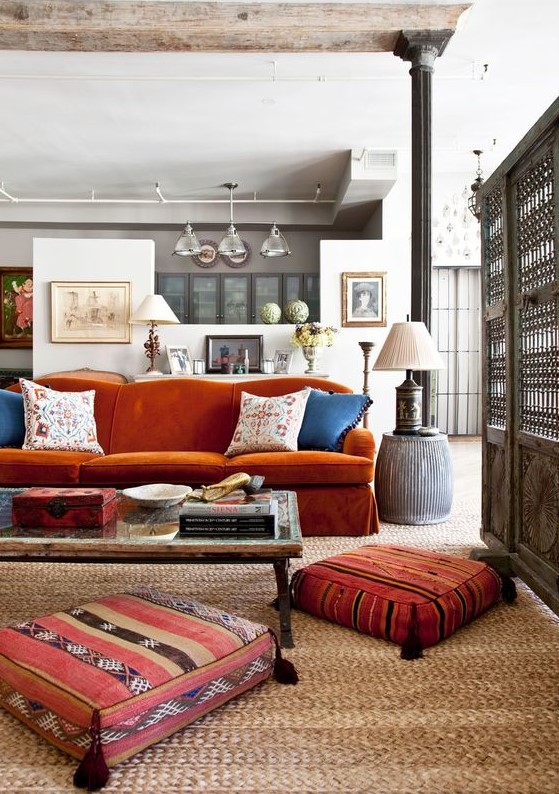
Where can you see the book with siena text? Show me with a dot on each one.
(236, 503)
(230, 524)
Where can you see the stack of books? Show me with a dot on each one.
(237, 515)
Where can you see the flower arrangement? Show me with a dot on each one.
(313, 335)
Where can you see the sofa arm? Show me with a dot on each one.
(360, 441)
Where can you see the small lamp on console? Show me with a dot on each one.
(153, 311)
(408, 346)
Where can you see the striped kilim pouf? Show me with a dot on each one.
(409, 596)
(111, 677)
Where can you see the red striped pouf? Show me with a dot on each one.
(106, 679)
(412, 597)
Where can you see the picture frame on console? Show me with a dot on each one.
(363, 300)
(180, 360)
(227, 353)
(282, 362)
(16, 320)
(90, 312)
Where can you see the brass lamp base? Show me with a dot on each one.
(408, 407)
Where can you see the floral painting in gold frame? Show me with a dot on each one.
(16, 326)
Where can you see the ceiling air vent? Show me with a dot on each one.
(373, 161)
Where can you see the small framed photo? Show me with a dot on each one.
(282, 361)
(16, 323)
(90, 311)
(180, 360)
(226, 353)
(363, 300)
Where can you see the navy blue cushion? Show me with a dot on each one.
(329, 417)
(12, 421)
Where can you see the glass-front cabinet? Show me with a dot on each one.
(235, 299)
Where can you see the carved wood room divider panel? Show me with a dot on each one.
(520, 337)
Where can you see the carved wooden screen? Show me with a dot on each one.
(520, 329)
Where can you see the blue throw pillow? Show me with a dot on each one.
(12, 421)
(329, 417)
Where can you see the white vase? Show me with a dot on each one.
(313, 357)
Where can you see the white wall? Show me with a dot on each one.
(88, 260)
(345, 361)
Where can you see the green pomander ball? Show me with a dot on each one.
(296, 311)
(270, 313)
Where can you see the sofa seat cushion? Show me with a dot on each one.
(308, 467)
(413, 597)
(21, 467)
(108, 678)
(139, 468)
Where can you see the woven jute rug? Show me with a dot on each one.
(477, 715)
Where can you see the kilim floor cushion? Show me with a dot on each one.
(409, 596)
(104, 680)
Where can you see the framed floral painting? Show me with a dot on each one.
(16, 329)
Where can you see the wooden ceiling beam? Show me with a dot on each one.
(69, 25)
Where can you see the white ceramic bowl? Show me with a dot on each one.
(158, 494)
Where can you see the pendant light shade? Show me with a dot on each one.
(187, 244)
(231, 244)
(275, 244)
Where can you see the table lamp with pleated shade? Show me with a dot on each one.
(410, 347)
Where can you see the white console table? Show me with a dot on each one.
(226, 376)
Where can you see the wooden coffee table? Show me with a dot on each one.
(131, 538)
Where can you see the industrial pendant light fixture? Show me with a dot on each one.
(231, 245)
(275, 244)
(187, 244)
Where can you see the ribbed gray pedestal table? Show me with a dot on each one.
(414, 479)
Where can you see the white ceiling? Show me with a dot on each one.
(117, 123)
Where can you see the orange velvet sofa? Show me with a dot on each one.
(176, 430)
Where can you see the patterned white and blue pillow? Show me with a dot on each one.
(58, 420)
(268, 424)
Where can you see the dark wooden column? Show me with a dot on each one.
(421, 48)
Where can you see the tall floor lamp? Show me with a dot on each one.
(153, 311)
(410, 347)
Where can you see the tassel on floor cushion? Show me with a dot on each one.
(107, 679)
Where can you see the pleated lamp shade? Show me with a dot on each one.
(409, 346)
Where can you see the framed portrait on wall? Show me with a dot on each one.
(16, 326)
(90, 312)
(363, 300)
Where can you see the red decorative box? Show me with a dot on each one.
(64, 507)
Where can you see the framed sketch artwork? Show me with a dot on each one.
(363, 300)
(90, 311)
(180, 361)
